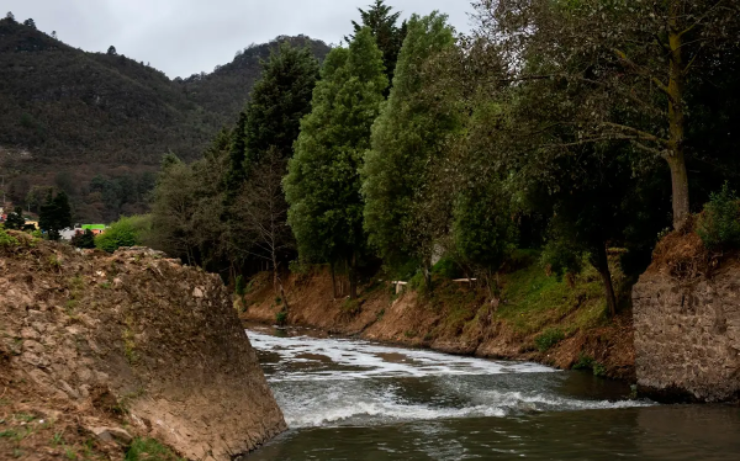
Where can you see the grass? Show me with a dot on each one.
(533, 301)
(149, 450)
(549, 338)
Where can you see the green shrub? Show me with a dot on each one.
(149, 450)
(549, 338)
(281, 318)
(447, 268)
(719, 226)
(126, 232)
(588, 363)
(240, 286)
(7, 240)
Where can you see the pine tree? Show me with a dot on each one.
(323, 184)
(55, 215)
(408, 135)
(10, 16)
(388, 35)
(112, 51)
(30, 23)
(278, 102)
(237, 155)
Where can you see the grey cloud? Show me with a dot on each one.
(182, 37)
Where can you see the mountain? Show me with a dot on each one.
(97, 124)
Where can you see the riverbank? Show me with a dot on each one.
(537, 318)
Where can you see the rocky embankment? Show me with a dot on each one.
(687, 323)
(456, 320)
(100, 351)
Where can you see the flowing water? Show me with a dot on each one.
(353, 400)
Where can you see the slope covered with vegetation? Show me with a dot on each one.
(97, 124)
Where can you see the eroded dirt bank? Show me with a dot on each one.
(96, 350)
(566, 332)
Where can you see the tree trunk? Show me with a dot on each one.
(333, 281)
(277, 282)
(600, 261)
(677, 119)
(352, 270)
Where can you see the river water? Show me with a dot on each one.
(354, 400)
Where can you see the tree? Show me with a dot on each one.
(388, 35)
(55, 215)
(237, 155)
(54, 34)
(263, 213)
(84, 240)
(278, 102)
(323, 183)
(15, 220)
(483, 229)
(112, 51)
(410, 132)
(10, 16)
(126, 232)
(30, 23)
(642, 56)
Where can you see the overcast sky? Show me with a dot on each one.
(183, 37)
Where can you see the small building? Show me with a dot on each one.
(96, 229)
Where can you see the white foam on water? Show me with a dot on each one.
(335, 382)
(368, 360)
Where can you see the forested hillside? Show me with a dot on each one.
(97, 124)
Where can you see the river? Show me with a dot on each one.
(353, 400)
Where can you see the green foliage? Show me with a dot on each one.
(548, 339)
(7, 240)
(483, 228)
(85, 239)
(126, 232)
(145, 449)
(588, 363)
(55, 215)
(563, 256)
(447, 268)
(281, 318)
(323, 183)
(719, 225)
(389, 37)
(410, 132)
(278, 101)
(240, 285)
(15, 219)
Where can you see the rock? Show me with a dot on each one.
(29, 333)
(197, 293)
(113, 434)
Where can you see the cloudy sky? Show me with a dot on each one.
(182, 37)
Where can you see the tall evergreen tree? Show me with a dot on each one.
(278, 102)
(323, 185)
(55, 215)
(237, 155)
(409, 134)
(389, 37)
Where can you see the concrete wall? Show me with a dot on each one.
(687, 336)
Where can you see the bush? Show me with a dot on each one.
(281, 318)
(719, 225)
(588, 363)
(84, 240)
(126, 232)
(7, 239)
(447, 268)
(549, 338)
(240, 285)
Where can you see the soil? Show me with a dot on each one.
(98, 349)
(458, 320)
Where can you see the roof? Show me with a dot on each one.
(93, 226)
